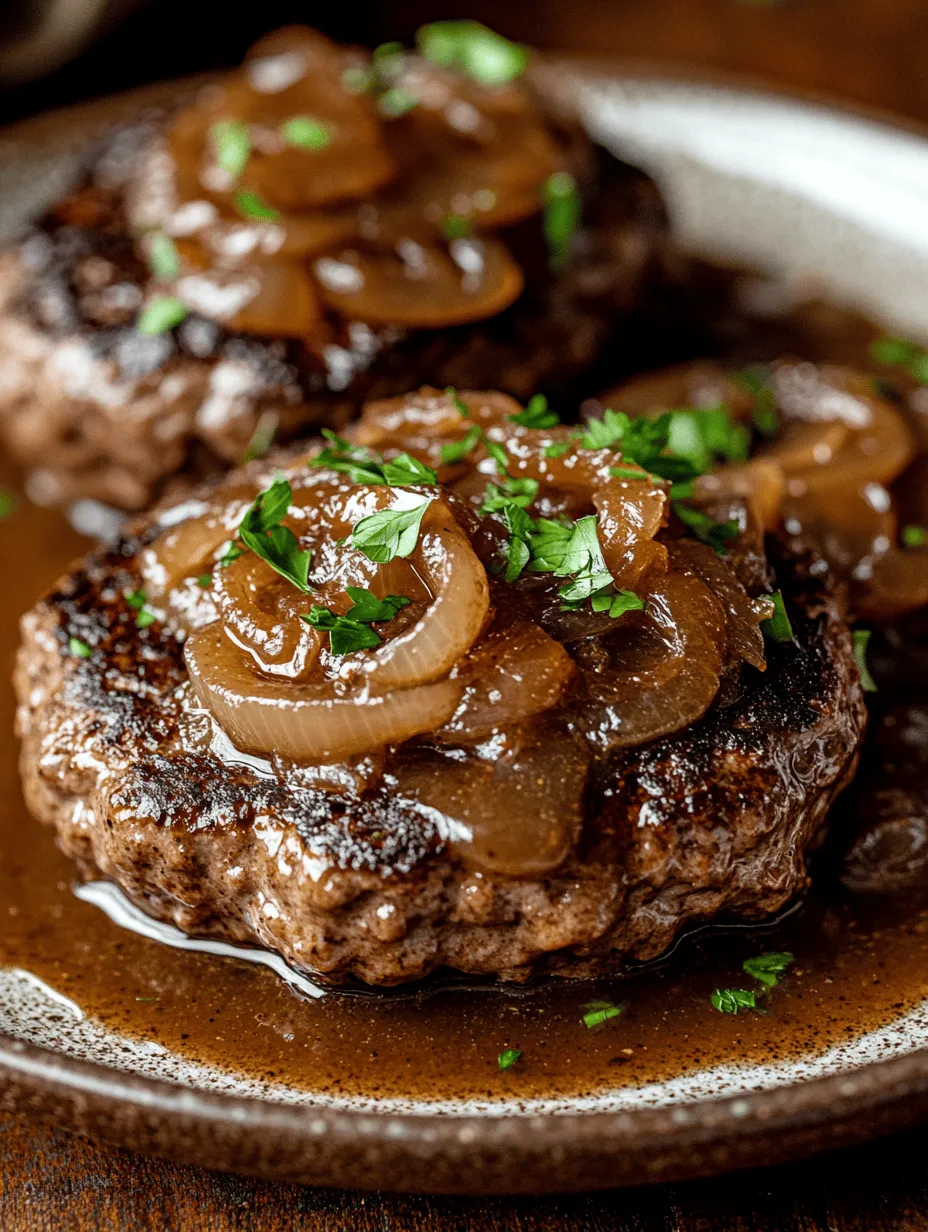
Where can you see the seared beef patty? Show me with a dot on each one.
(527, 831)
(96, 408)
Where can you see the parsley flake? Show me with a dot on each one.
(390, 532)
(563, 208)
(457, 451)
(262, 532)
(205, 580)
(733, 1000)
(598, 1013)
(459, 404)
(777, 626)
(474, 49)
(395, 102)
(914, 536)
(7, 503)
(305, 132)
(508, 1057)
(78, 649)
(861, 643)
(517, 552)
(162, 256)
(705, 528)
(350, 632)
(536, 414)
(902, 353)
(253, 205)
(232, 144)
(616, 602)
(756, 380)
(361, 466)
(767, 968)
(137, 600)
(160, 314)
(456, 226)
(262, 438)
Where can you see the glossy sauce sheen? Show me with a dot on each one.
(860, 964)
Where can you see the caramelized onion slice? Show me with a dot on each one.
(760, 483)
(685, 603)
(897, 583)
(743, 615)
(269, 298)
(450, 624)
(306, 723)
(518, 814)
(509, 677)
(421, 287)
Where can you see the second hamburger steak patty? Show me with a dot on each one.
(101, 398)
(596, 781)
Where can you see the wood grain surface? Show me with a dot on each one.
(51, 1181)
(870, 51)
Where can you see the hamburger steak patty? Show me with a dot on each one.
(715, 819)
(98, 410)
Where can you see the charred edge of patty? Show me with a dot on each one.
(715, 819)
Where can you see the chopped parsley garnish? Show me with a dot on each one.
(677, 446)
(138, 599)
(351, 632)
(456, 227)
(756, 380)
(7, 503)
(508, 1057)
(733, 1000)
(778, 627)
(162, 256)
(597, 1013)
(457, 451)
(517, 552)
(78, 649)
(389, 533)
(914, 536)
(511, 491)
(396, 102)
(305, 132)
(253, 205)
(459, 405)
(474, 49)
(705, 528)
(160, 314)
(205, 580)
(232, 144)
(565, 549)
(901, 353)
(362, 466)
(767, 968)
(262, 532)
(563, 208)
(262, 438)
(404, 470)
(617, 603)
(537, 414)
(861, 642)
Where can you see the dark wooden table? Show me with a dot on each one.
(871, 51)
(50, 1181)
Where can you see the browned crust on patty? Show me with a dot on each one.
(715, 820)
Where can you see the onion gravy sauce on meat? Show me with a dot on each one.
(859, 960)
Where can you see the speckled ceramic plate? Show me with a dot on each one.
(824, 199)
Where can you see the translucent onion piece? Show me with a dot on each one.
(896, 583)
(743, 615)
(686, 605)
(518, 813)
(453, 620)
(421, 287)
(759, 482)
(423, 421)
(308, 723)
(510, 676)
(270, 298)
(701, 383)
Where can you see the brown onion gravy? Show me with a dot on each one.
(860, 963)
